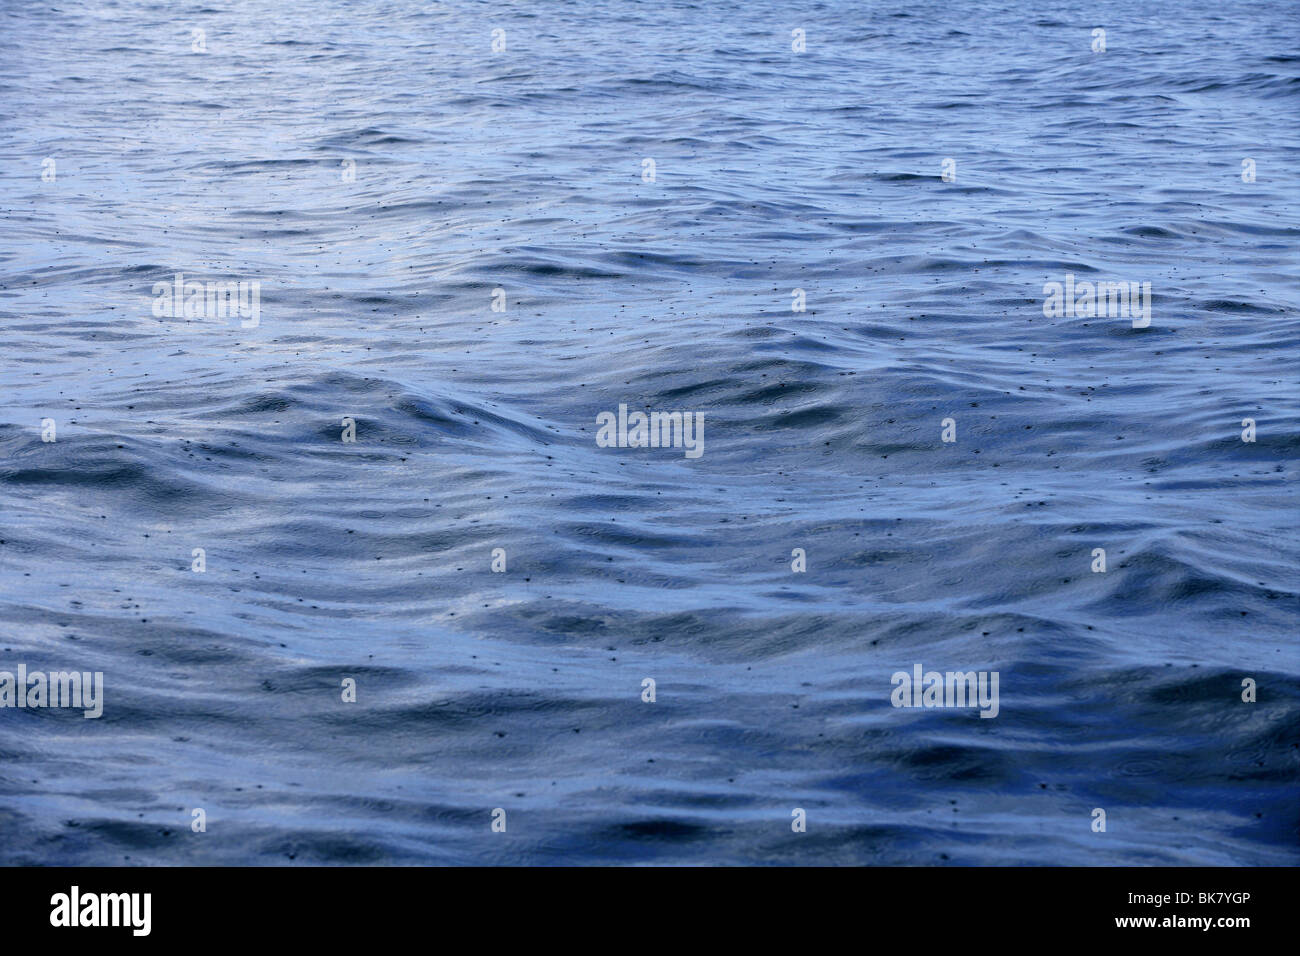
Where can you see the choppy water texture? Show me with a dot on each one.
(775, 170)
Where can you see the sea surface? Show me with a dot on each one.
(379, 169)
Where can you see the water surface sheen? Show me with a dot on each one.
(774, 171)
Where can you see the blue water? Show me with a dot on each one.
(774, 170)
